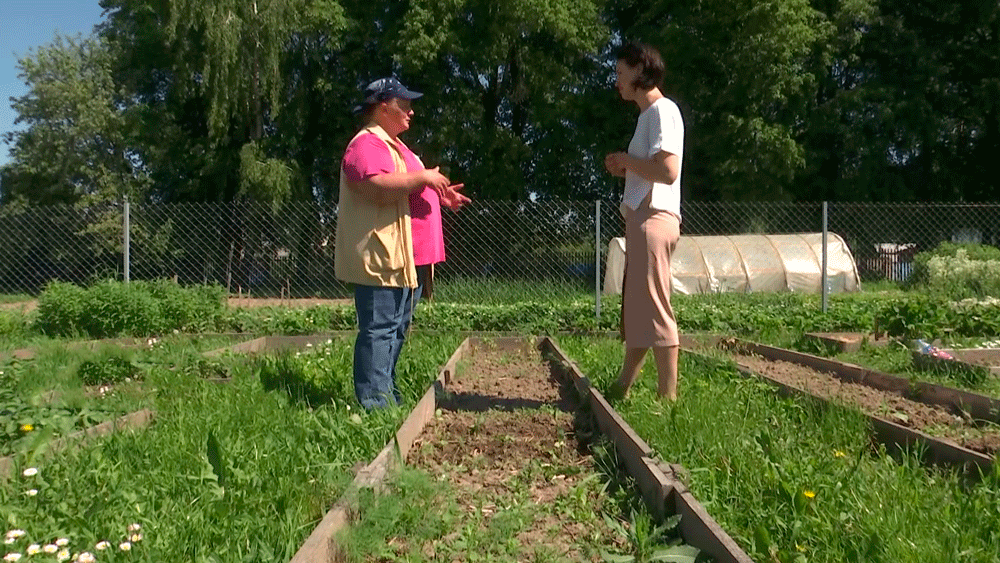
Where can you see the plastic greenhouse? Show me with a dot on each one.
(749, 263)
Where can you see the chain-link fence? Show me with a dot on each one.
(496, 251)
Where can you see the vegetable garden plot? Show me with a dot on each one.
(795, 479)
(502, 440)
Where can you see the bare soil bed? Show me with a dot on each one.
(506, 439)
(937, 421)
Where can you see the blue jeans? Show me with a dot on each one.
(384, 315)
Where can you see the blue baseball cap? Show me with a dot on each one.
(385, 89)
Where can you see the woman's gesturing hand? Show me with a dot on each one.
(615, 164)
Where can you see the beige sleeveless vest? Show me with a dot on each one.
(374, 244)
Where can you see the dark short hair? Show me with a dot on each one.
(649, 61)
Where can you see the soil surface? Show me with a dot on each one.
(506, 439)
(935, 420)
(242, 302)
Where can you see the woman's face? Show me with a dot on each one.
(397, 115)
(625, 80)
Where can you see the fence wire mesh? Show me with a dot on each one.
(496, 251)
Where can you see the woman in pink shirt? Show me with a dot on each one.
(380, 166)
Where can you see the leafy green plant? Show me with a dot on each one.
(60, 308)
(108, 370)
(110, 308)
(958, 271)
(648, 542)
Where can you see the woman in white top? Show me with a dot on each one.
(651, 206)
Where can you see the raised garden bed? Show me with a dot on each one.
(488, 378)
(953, 426)
(790, 477)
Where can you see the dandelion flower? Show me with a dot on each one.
(86, 557)
(31, 492)
(839, 453)
(134, 527)
(34, 549)
(12, 557)
(62, 542)
(809, 494)
(63, 555)
(125, 546)
(801, 548)
(50, 548)
(27, 427)
(30, 472)
(102, 545)
(136, 538)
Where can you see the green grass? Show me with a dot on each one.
(498, 292)
(791, 477)
(230, 472)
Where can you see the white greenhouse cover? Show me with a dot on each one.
(749, 263)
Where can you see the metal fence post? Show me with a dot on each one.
(826, 288)
(597, 261)
(128, 242)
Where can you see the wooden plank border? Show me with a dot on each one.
(661, 484)
(978, 406)
(320, 546)
(900, 437)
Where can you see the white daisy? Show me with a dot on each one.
(86, 557)
(125, 546)
(102, 545)
(63, 555)
(30, 472)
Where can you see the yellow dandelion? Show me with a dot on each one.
(839, 453)
(27, 428)
(809, 494)
(800, 548)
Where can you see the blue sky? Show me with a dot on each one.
(25, 24)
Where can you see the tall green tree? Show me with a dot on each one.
(745, 74)
(932, 91)
(215, 78)
(76, 143)
(494, 74)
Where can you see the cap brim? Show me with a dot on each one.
(409, 95)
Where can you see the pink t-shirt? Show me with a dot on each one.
(369, 156)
